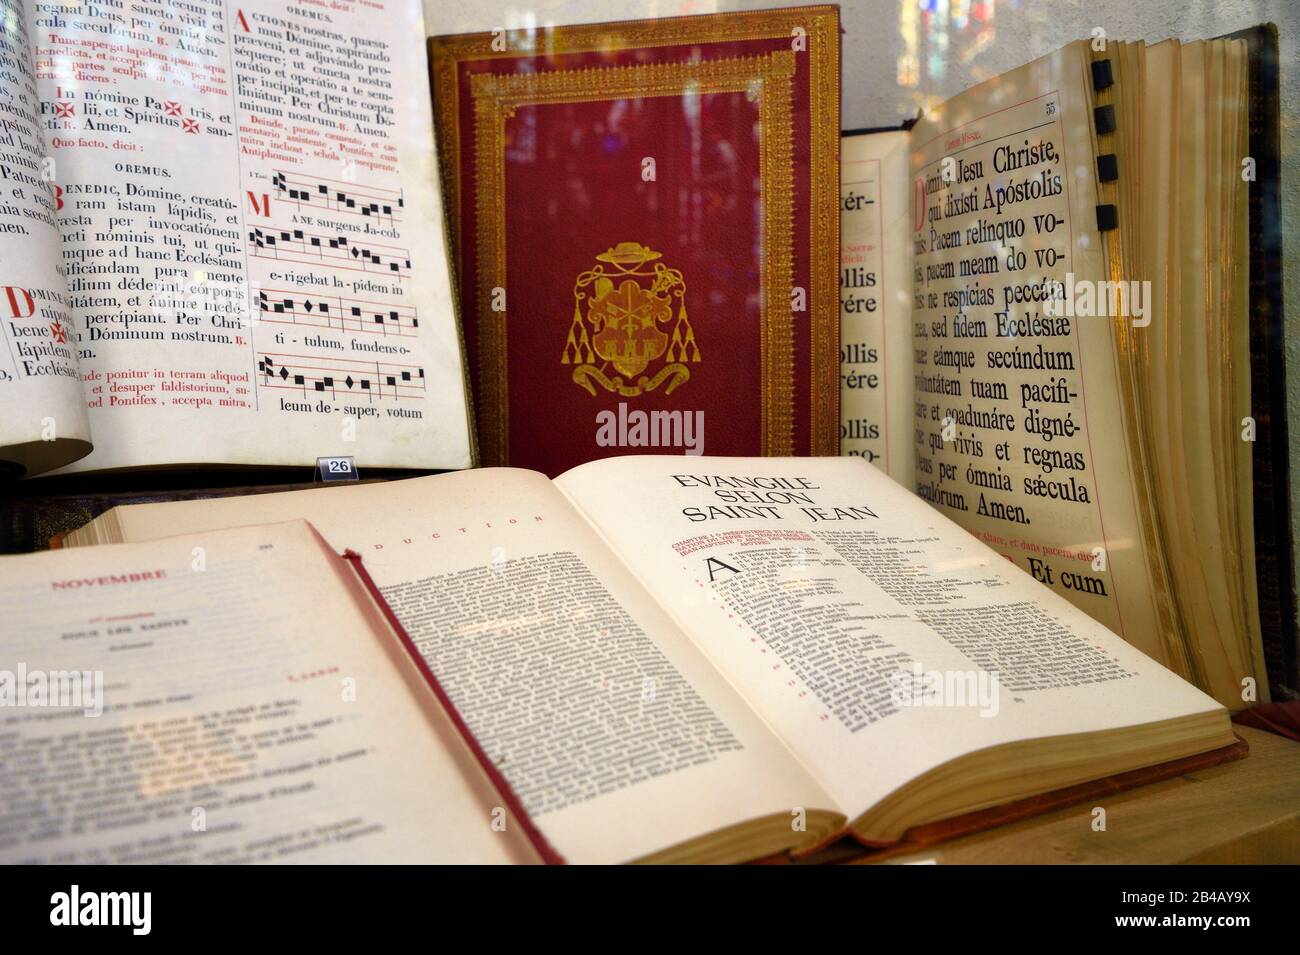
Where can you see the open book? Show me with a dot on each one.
(666, 658)
(221, 239)
(1046, 288)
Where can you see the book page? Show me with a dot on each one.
(876, 302)
(616, 733)
(1190, 368)
(829, 595)
(226, 697)
(1018, 425)
(44, 423)
(253, 238)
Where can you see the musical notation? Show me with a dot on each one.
(344, 314)
(326, 375)
(313, 248)
(371, 202)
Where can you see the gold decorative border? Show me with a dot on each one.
(824, 227)
(821, 24)
(766, 79)
(776, 339)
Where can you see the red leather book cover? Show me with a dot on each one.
(644, 220)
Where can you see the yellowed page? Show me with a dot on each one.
(1237, 502)
(230, 699)
(42, 412)
(610, 724)
(876, 302)
(252, 232)
(1190, 381)
(814, 584)
(1202, 414)
(1019, 433)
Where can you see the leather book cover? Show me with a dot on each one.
(1274, 571)
(645, 225)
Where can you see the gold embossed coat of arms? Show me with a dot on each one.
(630, 332)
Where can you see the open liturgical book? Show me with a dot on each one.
(221, 239)
(1046, 294)
(664, 658)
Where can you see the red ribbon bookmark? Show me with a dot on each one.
(498, 779)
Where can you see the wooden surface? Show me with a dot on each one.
(1245, 811)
